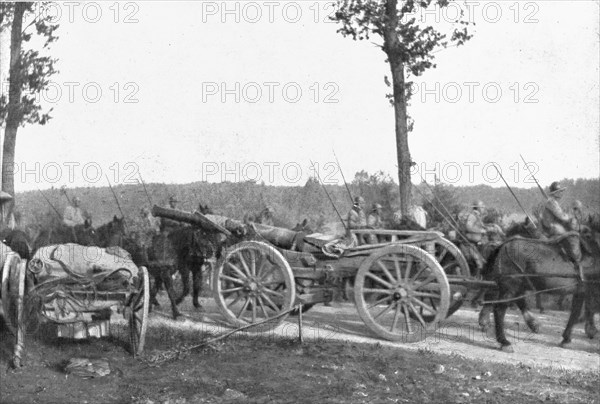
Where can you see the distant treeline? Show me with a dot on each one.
(291, 204)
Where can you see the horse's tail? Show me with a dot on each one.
(489, 264)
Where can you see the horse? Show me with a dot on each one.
(18, 241)
(159, 258)
(587, 295)
(193, 247)
(111, 233)
(529, 230)
(83, 234)
(588, 292)
(303, 227)
(515, 264)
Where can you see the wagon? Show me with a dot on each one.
(403, 282)
(77, 288)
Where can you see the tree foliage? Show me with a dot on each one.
(32, 69)
(29, 74)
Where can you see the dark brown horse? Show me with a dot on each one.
(521, 264)
(18, 241)
(588, 292)
(83, 234)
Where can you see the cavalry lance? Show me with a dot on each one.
(515, 196)
(51, 205)
(533, 176)
(329, 197)
(343, 178)
(145, 190)
(115, 196)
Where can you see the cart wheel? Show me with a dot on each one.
(13, 291)
(253, 282)
(451, 259)
(13, 295)
(138, 314)
(401, 292)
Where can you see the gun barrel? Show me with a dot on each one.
(195, 219)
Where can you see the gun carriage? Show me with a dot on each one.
(402, 282)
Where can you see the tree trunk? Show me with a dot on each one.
(13, 115)
(392, 47)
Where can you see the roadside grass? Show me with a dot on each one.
(250, 368)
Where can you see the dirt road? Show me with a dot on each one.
(460, 334)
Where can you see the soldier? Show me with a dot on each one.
(73, 214)
(356, 215)
(374, 222)
(374, 218)
(266, 216)
(474, 230)
(168, 225)
(578, 213)
(149, 222)
(418, 215)
(556, 222)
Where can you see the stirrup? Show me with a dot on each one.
(581, 276)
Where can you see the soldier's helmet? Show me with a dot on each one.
(478, 205)
(377, 206)
(577, 205)
(173, 198)
(555, 187)
(76, 199)
(358, 200)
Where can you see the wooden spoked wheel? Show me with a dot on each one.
(451, 259)
(454, 263)
(13, 295)
(138, 313)
(401, 292)
(13, 292)
(252, 283)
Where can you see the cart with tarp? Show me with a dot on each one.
(79, 289)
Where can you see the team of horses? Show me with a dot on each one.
(517, 265)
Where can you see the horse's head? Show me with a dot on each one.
(116, 231)
(205, 210)
(303, 227)
(590, 240)
(86, 234)
(525, 229)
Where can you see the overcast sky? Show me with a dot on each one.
(188, 93)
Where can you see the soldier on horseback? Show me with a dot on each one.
(556, 222)
(474, 230)
(168, 225)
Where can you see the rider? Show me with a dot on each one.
(168, 225)
(474, 230)
(555, 222)
(356, 215)
(266, 216)
(73, 214)
(374, 221)
(374, 217)
(578, 213)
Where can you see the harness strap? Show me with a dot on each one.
(513, 299)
